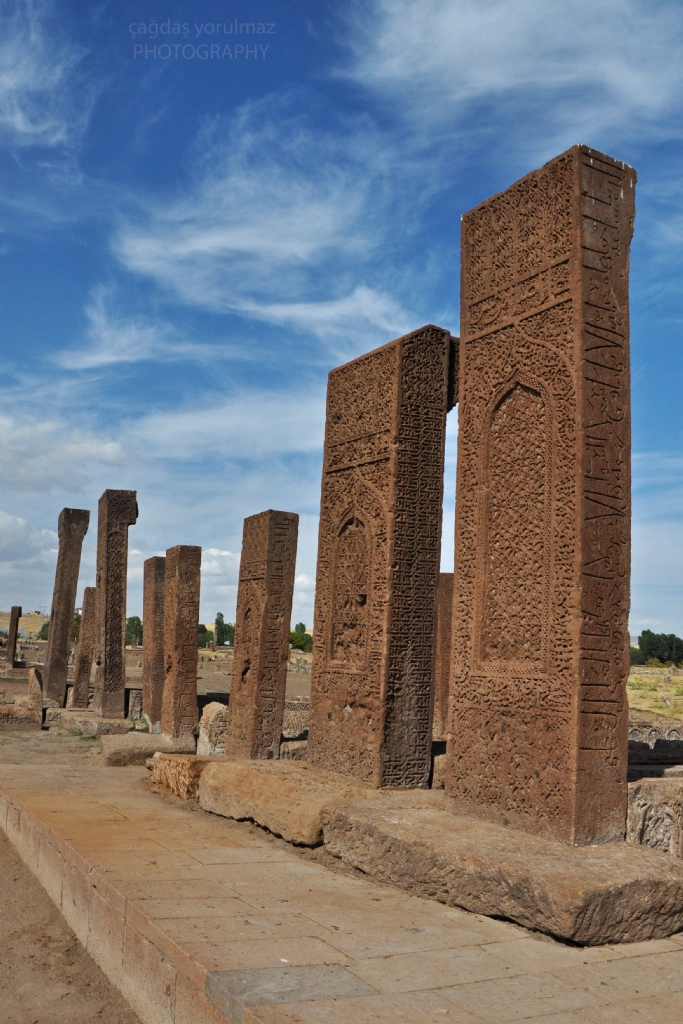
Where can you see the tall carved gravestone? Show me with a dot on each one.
(116, 512)
(84, 650)
(181, 624)
(264, 610)
(73, 526)
(153, 640)
(13, 632)
(442, 669)
(540, 637)
(378, 561)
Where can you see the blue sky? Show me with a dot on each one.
(197, 224)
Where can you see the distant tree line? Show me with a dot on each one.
(659, 648)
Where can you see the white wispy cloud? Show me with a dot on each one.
(20, 542)
(252, 424)
(43, 99)
(113, 337)
(576, 66)
(279, 224)
(38, 455)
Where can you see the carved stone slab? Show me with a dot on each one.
(541, 596)
(84, 651)
(444, 614)
(181, 622)
(264, 611)
(378, 561)
(117, 511)
(73, 526)
(153, 640)
(12, 633)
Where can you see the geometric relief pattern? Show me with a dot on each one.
(541, 588)
(350, 602)
(516, 530)
(378, 560)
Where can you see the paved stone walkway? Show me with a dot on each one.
(199, 920)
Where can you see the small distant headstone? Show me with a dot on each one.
(73, 526)
(181, 623)
(15, 615)
(154, 583)
(117, 511)
(84, 650)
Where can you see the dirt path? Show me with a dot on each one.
(46, 977)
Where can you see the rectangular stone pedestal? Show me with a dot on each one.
(588, 895)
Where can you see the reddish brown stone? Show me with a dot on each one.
(264, 610)
(73, 526)
(541, 597)
(378, 562)
(442, 670)
(181, 623)
(153, 640)
(13, 632)
(117, 511)
(84, 651)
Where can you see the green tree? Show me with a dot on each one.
(44, 631)
(300, 628)
(667, 648)
(204, 636)
(300, 641)
(133, 629)
(225, 631)
(76, 627)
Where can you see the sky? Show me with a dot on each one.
(199, 220)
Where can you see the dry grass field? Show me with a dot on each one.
(656, 690)
(31, 622)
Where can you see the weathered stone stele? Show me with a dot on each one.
(181, 622)
(378, 561)
(84, 650)
(73, 526)
(153, 640)
(264, 610)
(542, 540)
(442, 669)
(13, 632)
(116, 512)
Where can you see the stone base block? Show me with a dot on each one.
(89, 723)
(179, 773)
(286, 797)
(588, 895)
(136, 747)
(18, 716)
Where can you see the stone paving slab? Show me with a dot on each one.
(180, 907)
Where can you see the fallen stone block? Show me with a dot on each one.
(18, 716)
(294, 750)
(136, 747)
(90, 724)
(284, 796)
(179, 773)
(588, 895)
(439, 772)
(295, 719)
(655, 814)
(213, 726)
